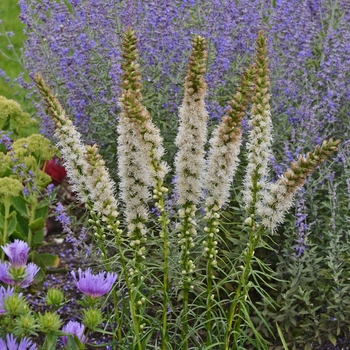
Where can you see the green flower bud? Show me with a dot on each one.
(54, 297)
(49, 322)
(15, 305)
(92, 318)
(25, 325)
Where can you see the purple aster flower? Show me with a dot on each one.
(94, 285)
(17, 253)
(11, 343)
(73, 327)
(23, 281)
(5, 293)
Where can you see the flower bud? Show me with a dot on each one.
(54, 297)
(49, 322)
(92, 318)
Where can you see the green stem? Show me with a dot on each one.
(208, 324)
(184, 318)
(116, 311)
(7, 204)
(32, 209)
(211, 230)
(242, 291)
(186, 276)
(114, 293)
(164, 222)
(132, 304)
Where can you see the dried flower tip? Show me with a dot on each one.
(196, 67)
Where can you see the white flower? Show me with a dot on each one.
(189, 160)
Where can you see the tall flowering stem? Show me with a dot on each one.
(140, 168)
(190, 163)
(259, 150)
(279, 196)
(85, 168)
(260, 133)
(222, 164)
(88, 174)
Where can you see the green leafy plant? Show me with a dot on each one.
(189, 266)
(25, 199)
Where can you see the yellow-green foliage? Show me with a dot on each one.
(35, 145)
(10, 187)
(13, 117)
(5, 163)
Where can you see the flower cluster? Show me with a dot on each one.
(190, 158)
(17, 272)
(92, 285)
(260, 132)
(278, 196)
(84, 167)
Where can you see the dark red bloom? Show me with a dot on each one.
(56, 171)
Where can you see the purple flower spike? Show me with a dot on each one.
(11, 344)
(73, 327)
(94, 285)
(17, 253)
(4, 293)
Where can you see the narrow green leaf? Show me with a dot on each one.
(284, 343)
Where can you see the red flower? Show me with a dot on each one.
(56, 171)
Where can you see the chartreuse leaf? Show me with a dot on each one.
(20, 205)
(11, 224)
(45, 260)
(38, 238)
(37, 224)
(50, 260)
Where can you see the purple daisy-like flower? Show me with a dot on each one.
(17, 253)
(74, 327)
(5, 293)
(94, 285)
(11, 343)
(23, 281)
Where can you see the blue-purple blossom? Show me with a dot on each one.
(62, 217)
(5, 293)
(94, 285)
(74, 327)
(17, 253)
(301, 224)
(23, 281)
(5, 139)
(11, 343)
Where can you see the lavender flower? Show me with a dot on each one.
(22, 277)
(94, 285)
(4, 293)
(11, 343)
(74, 328)
(16, 272)
(17, 253)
